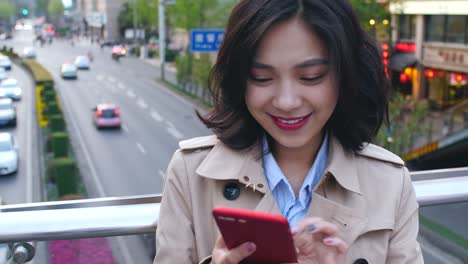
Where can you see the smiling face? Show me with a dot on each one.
(291, 91)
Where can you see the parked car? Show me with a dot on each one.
(8, 154)
(5, 62)
(6, 35)
(10, 88)
(29, 53)
(106, 116)
(82, 62)
(7, 112)
(68, 71)
(3, 74)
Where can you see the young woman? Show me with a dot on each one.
(299, 92)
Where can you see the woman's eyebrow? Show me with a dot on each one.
(312, 63)
(305, 64)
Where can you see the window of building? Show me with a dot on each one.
(435, 28)
(406, 28)
(456, 29)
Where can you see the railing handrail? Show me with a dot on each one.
(105, 217)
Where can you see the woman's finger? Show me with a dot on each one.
(336, 242)
(239, 253)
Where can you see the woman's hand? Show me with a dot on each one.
(222, 255)
(316, 242)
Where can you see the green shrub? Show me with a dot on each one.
(64, 173)
(49, 97)
(56, 123)
(60, 144)
(201, 70)
(184, 69)
(40, 74)
(52, 108)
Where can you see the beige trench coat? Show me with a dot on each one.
(369, 196)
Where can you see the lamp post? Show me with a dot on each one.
(162, 34)
(135, 13)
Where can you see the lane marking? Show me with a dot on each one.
(174, 132)
(100, 77)
(131, 94)
(121, 86)
(141, 103)
(111, 79)
(156, 116)
(125, 128)
(141, 148)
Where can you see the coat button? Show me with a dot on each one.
(361, 261)
(231, 191)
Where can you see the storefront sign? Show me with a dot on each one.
(421, 7)
(447, 58)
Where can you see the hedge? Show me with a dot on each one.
(40, 74)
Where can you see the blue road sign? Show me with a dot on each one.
(206, 40)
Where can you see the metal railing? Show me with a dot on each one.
(442, 125)
(105, 217)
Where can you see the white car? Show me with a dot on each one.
(29, 53)
(68, 71)
(7, 112)
(8, 154)
(82, 62)
(5, 62)
(10, 88)
(3, 74)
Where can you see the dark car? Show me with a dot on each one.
(109, 43)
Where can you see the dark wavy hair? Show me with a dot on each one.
(363, 87)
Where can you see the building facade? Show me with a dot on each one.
(432, 49)
(100, 17)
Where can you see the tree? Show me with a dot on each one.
(370, 9)
(407, 124)
(190, 14)
(6, 9)
(42, 6)
(55, 8)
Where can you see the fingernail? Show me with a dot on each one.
(311, 228)
(329, 241)
(295, 230)
(250, 247)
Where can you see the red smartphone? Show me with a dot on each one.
(270, 233)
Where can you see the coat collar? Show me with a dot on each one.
(223, 163)
(342, 165)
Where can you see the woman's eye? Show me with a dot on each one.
(312, 79)
(260, 80)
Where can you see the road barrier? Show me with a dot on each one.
(105, 217)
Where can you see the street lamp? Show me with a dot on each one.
(162, 33)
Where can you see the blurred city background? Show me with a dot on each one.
(69, 69)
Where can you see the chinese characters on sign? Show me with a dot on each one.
(206, 40)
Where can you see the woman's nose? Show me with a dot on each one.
(287, 97)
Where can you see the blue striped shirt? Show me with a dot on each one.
(291, 208)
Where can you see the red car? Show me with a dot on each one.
(107, 115)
